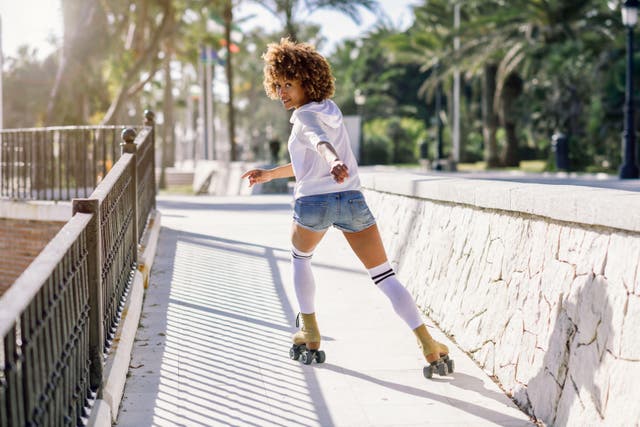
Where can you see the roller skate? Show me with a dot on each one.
(306, 341)
(436, 354)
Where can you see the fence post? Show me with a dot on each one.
(94, 275)
(150, 120)
(128, 146)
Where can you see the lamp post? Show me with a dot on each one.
(629, 168)
(360, 98)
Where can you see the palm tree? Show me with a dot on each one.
(288, 11)
(509, 38)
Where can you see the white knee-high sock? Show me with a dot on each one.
(401, 300)
(303, 282)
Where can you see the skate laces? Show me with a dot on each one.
(298, 322)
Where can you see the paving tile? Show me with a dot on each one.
(216, 325)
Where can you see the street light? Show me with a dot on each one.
(629, 169)
(360, 98)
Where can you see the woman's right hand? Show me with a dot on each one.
(257, 176)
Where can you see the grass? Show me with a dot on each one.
(177, 189)
(536, 166)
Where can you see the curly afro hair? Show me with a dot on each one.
(289, 60)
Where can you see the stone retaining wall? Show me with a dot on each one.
(540, 284)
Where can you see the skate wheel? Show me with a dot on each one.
(294, 354)
(427, 371)
(320, 356)
(307, 358)
(450, 365)
(442, 369)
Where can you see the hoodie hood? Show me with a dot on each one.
(327, 111)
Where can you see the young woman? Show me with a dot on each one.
(327, 193)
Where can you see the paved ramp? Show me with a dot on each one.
(212, 347)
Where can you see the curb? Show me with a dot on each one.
(105, 410)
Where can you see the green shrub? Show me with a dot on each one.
(393, 140)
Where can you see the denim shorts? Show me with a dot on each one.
(345, 210)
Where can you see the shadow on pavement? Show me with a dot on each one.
(213, 343)
(472, 408)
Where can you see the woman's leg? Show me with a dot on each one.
(304, 241)
(367, 245)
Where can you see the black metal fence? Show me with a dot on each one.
(57, 320)
(56, 163)
(44, 324)
(145, 168)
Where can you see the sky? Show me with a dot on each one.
(33, 22)
(336, 26)
(29, 22)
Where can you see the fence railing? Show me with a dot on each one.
(56, 163)
(44, 324)
(58, 319)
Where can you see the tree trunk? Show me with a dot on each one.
(147, 58)
(508, 116)
(141, 17)
(67, 70)
(228, 19)
(168, 147)
(489, 116)
(286, 7)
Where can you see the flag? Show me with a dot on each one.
(233, 48)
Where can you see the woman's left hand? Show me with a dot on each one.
(339, 171)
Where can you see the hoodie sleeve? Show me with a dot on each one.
(312, 129)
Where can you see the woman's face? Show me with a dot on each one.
(291, 93)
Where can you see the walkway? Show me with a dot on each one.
(212, 346)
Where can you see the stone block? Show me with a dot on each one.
(630, 339)
(622, 259)
(592, 256)
(621, 391)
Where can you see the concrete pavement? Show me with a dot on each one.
(213, 341)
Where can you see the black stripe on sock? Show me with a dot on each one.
(381, 274)
(297, 256)
(380, 277)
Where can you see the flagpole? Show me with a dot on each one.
(209, 100)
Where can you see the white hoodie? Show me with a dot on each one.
(313, 123)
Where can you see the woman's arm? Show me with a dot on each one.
(338, 169)
(260, 176)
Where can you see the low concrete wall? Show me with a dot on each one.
(221, 178)
(37, 210)
(540, 284)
